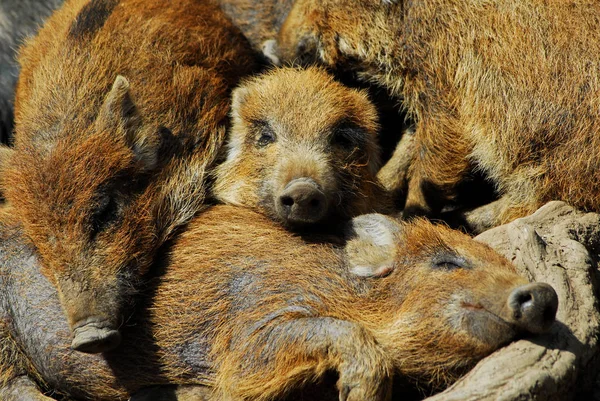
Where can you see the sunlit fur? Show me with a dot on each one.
(76, 150)
(510, 86)
(253, 311)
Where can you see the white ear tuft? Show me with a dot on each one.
(121, 84)
(269, 50)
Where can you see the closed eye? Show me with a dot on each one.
(342, 139)
(348, 135)
(449, 262)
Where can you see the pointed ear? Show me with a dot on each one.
(118, 108)
(371, 245)
(119, 115)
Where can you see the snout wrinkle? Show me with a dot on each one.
(306, 180)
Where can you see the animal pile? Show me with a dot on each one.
(201, 201)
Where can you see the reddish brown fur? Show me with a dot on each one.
(511, 86)
(321, 130)
(97, 184)
(254, 316)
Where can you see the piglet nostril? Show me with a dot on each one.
(524, 299)
(314, 203)
(287, 200)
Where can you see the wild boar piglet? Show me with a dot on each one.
(254, 312)
(121, 108)
(302, 149)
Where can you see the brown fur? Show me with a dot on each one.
(253, 311)
(321, 131)
(101, 177)
(394, 174)
(510, 86)
(258, 20)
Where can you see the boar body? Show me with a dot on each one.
(258, 20)
(121, 107)
(509, 87)
(243, 309)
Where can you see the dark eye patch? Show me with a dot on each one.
(106, 212)
(264, 134)
(348, 135)
(449, 261)
(112, 198)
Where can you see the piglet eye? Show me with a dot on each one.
(265, 139)
(446, 266)
(342, 139)
(449, 262)
(265, 133)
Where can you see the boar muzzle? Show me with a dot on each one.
(301, 202)
(533, 307)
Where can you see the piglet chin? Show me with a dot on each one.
(486, 326)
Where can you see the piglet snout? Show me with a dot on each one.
(302, 202)
(533, 307)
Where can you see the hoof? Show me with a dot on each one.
(92, 339)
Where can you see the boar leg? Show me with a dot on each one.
(174, 393)
(394, 174)
(441, 160)
(22, 388)
(284, 355)
(501, 211)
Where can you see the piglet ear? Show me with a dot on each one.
(238, 99)
(269, 50)
(119, 115)
(371, 245)
(118, 110)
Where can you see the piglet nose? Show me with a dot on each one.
(533, 307)
(302, 202)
